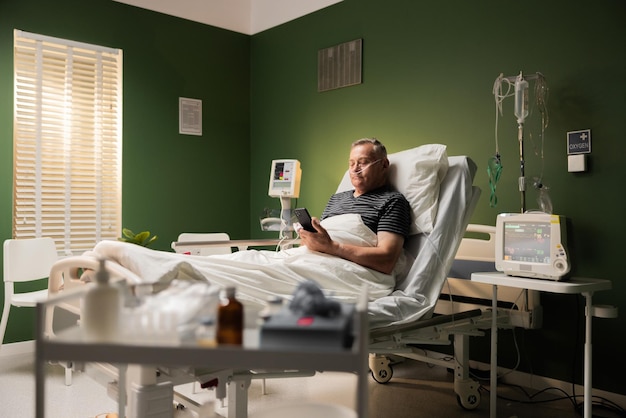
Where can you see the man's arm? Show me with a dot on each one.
(382, 258)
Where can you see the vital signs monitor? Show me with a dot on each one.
(285, 178)
(532, 245)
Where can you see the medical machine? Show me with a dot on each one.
(284, 183)
(532, 244)
(285, 178)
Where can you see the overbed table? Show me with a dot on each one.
(584, 286)
(70, 346)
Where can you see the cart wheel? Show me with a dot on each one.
(469, 401)
(383, 374)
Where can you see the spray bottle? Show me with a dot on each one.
(101, 309)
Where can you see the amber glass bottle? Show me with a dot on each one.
(230, 320)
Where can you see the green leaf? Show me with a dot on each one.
(154, 238)
(143, 238)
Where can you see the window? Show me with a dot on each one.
(67, 141)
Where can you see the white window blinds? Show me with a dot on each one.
(67, 141)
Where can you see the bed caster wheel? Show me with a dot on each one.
(382, 375)
(470, 402)
(468, 396)
(381, 369)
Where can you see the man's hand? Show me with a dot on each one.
(319, 241)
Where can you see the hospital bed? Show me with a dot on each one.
(398, 320)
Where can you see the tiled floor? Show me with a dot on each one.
(416, 390)
(84, 398)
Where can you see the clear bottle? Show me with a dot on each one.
(230, 320)
(101, 308)
(205, 333)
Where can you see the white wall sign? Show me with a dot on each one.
(189, 116)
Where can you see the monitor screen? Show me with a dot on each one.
(527, 241)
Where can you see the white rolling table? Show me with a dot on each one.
(70, 345)
(575, 285)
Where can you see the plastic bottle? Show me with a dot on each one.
(230, 320)
(101, 309)
(205, 333)
(545, 203)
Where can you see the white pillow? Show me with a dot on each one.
(350, 229)
(417, 174)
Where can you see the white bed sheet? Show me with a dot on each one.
(257, 274)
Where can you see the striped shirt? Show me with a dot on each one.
(383, 209)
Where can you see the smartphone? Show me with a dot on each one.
(304, 218)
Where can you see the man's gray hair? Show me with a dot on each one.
(379, 148)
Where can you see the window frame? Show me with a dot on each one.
(67, 141)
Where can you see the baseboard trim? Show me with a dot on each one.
(536, 382)
(21, 347)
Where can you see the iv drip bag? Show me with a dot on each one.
(521, 99)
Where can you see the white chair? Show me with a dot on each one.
(204, 237)
(201, 250)
(25, 260)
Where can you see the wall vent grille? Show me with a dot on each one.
(340, 65)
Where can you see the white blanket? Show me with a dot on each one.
(258, 274)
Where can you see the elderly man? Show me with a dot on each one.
(382, 209)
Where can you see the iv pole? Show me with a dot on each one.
(522, 178)
(521, 112)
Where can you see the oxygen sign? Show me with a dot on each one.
(579, 142)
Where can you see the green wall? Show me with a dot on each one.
(428, 73)
(171, 182)
(429, 69)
